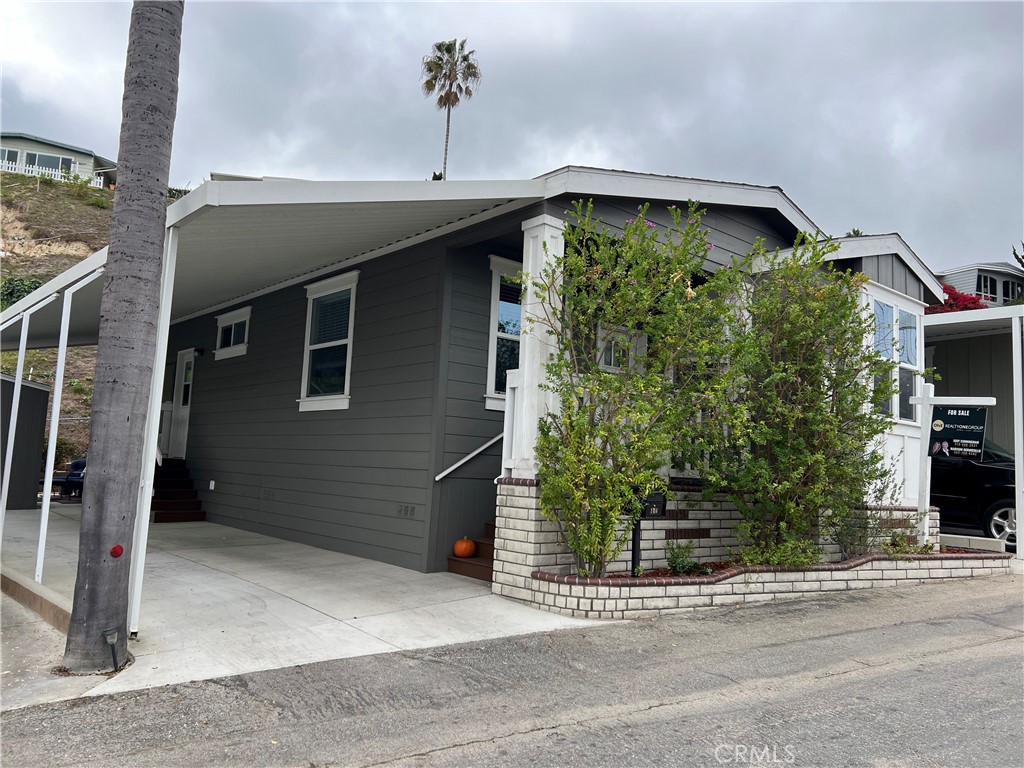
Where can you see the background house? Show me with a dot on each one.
(994, 282)
(36, 156)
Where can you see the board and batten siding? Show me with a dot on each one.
(356, 480)
(979, 366)
(889, 270)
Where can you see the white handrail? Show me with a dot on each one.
(469, 456)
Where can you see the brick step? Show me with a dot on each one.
(485, 548)
(473, 567)
(192, 516)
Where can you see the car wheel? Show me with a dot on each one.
(1000, 522)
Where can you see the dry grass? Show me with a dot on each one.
(44, 230)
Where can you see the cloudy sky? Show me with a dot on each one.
(881, 116)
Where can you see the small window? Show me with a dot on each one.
(1012, 290)
(505, 327)
(615, 348)
(9, 156)
(232, 334)
(327, 359)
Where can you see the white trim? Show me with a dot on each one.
(340, 401)
(150, 449)
(58, 392)
(879, 245)
(229, 319)
(500, 267)
(974, 315)
(324, 403)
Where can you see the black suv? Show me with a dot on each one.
(976, 493)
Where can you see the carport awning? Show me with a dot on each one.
(238, 237)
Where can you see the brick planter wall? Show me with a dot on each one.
(646, 597)
(531, 564)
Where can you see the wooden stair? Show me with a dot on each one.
(482, 565)
(174, 496)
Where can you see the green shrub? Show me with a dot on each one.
(100, 202)
(66, 451)
(14, 289)
(681, 560)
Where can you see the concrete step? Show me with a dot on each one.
(473, 567)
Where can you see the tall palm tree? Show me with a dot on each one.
(127, 337)
(452, 72)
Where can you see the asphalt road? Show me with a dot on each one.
(917, 676)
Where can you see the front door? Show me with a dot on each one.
(182, 402)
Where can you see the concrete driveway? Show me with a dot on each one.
(221, 601)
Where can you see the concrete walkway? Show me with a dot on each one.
(221, 601)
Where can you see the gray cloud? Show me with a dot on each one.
(904, 117)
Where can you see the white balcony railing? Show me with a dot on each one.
(36, 170)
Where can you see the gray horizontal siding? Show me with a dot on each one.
(356, 481)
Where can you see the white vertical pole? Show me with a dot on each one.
(542, 240)
(58, 391)
(924, 469)
(152, 432)
(12, 427)
(1017, 336)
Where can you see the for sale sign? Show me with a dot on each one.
(958, 431)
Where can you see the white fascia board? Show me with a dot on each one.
(974, 316)
(587, 181)
(875, 245)
(327, 192)
(892, 296)
(986, 266)
(194, 203)
(58, 284)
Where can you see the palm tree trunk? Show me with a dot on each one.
(127, 337)
(447, 132)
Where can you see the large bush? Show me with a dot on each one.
(638, 338)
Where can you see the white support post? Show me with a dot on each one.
(542, 241)
(152, 433)
(926, 401)
(12, 427)
(58, 391)
(1017, 336)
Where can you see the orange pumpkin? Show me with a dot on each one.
(465, 547)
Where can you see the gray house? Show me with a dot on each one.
(336, 352)
(994, 282)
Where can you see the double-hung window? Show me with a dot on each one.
(327, 358)
(505, 326)
(232, 334)
(616, 346)
(896, 337)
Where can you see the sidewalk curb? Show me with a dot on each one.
(53, 608)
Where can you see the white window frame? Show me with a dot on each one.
(896, 307)
(72, 162)
(988, 281)
(315, 291)
(635, 343)
(228, 319)
(500, 267)
(3, 155)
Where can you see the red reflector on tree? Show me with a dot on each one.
(116, 551)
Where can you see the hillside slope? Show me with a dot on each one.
(46, 227)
